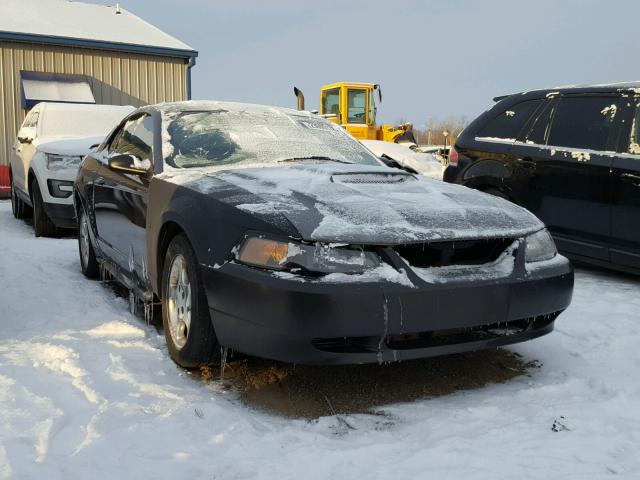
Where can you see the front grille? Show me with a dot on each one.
(442, 254)
(434, 338)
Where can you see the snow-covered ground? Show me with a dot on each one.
(87, 390)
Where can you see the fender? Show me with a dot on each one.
(205, 222)
(170, 204)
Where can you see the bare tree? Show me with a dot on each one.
(432, 131)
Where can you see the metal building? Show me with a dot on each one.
(69, 51)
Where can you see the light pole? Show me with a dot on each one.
(445, 134)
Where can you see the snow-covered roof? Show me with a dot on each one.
(632, 86)
(205, 105)
(85, 24)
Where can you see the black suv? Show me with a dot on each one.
(571, 156)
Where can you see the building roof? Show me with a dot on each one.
(66, 22)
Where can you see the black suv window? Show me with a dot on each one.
(509, 122)
(135, 138)
(584, 122)
(540, 126)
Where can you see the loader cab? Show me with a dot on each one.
(353, 106)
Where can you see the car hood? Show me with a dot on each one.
(67, 145)
(423, 163)
(332, 202)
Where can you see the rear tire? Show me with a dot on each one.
(88, 262)
(188, 330)
(18, 206)
(42, 224)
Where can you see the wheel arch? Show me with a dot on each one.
(485, 184)
(30, 177)
(77, 202)
(490, 187)
(169, 230)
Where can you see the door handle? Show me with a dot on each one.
(634, 179)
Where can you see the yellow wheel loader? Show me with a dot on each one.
(352, 105)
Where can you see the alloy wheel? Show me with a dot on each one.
(84, 240)
(179, 301)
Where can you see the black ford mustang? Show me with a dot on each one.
(274, 233)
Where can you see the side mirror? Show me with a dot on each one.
(127, 163)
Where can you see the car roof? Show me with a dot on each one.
(212, 105)
(620, 87)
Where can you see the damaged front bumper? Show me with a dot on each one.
(436, 312)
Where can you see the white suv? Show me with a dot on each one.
(51, 143)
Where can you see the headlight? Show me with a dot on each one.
(540, 246)
(58, 162)
(319, 258)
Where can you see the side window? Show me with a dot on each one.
(356, 106)
(584, 122)
(331, 101)
(34, 119)
(508, 124)
(113, 145)
(634, 143)
(28, 128)
(540, 126)
(27, 120)
(136, 138)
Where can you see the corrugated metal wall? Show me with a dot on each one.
(117, 78)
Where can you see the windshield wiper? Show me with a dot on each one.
(314, 157)
(390, 162)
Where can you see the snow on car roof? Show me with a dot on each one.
(86, 21)
(632, 86)
(205, 105)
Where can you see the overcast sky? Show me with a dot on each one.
(433, 59)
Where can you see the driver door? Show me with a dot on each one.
(120, 198)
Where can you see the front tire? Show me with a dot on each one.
(88, 262)
(188, 330)
(19, 208)
(42, 224)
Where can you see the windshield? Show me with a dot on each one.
(90, 122)
(222, 137)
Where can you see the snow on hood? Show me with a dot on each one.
(423, 163)
(79, 146)
(362, 204)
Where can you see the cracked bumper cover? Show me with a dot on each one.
(317, 322)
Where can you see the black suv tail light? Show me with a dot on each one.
(453, 157)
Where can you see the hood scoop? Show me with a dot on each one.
(372, 177)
